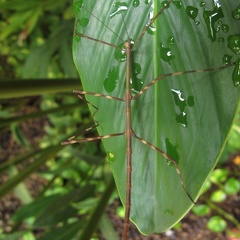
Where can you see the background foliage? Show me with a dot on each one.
(63, 191)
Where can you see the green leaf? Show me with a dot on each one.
(19, 136)
(16, 236)
(61, 209)
(57, 41)
(218, 196)
(216, 224)
(14, 181)
(35, 208)
(219, 176)
(201, 209)
(107, 228)
(207, 185)
(187, 116)
(232, 186)
(67, 231)
(98, 211)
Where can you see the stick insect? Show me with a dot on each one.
(154, 162)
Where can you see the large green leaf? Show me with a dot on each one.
(187, 116)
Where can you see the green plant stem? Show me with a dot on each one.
(236, 128)
(21, 190)
(22, 158)
(13, 182)
(222, 212)
(31, 87)
(8, 121)
(98, 212)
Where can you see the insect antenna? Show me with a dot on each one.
(125, 26)
(166, 5)
(94, 39)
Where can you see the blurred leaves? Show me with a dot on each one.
(216, 224)
(36, 42)
(28, 13)
(40, 35)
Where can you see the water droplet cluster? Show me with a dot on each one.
(181, 104)
(165, 53)
(111, 157)
(118, 8)
(110, 82)
(171, 152)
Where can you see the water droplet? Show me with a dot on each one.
(137, 68)
(227, 59)
(136, 83)
(182, 103)
(77, 6)
(202, 4)
(190, 101)
(192, 12)
(211, 17)
(110, 82)
(164, 3)
(83, 22)
(120, 53)
(225, 28)
(221, 40)
(77, 38)
(151, 30)
(151, 14)
(236, 74)
(171, 40)
(119, 7)
(171, 152)
(111, 157)
(217, 29)
(168, 212)
(179, 100)
(197, 22)
(178, 4)
(234, 43)
(182, 119)
(236, 13)
(148, 1)
(136, 3)
(166, 54)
